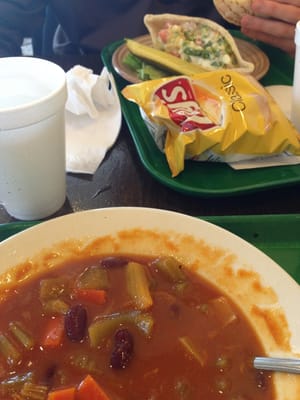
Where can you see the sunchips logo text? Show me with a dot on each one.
(236, 100)
(178, 96)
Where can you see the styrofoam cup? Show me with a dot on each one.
(33, 94)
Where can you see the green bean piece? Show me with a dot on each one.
(180, 287)
(14, 383)
(93, 277)
(171, 268)
(62, 376)
(19, 332)
(85, 363)
(9, 351)
(191, 349)
(223, 363)
(138, 285)
(31, 391)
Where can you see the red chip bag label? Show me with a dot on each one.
(179, 98)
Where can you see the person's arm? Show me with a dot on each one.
(275, 24)
(19, 19)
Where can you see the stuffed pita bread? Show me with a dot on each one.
(196, 40)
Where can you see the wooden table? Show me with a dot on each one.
(121, 180)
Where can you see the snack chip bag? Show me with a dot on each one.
(222, 116)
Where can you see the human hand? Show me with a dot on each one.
(274, 23)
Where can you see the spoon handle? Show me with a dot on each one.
(291, 365)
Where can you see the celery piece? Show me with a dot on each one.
(55, 306)
(53, 288)
(138, 285)
(19, 332)
(103, 327)
(171, 268)
(93, 277)
(191, 349)
(145, 323)
(52, 294)
(9, 351)
(223, 310)
(31, 391)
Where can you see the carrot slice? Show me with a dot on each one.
(96, 296)
(54, 332)
(89, 389)
(62, 394)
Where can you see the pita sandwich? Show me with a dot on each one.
(197, 40)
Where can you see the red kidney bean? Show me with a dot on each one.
(111, 262)
(75, 323)
(123, 349)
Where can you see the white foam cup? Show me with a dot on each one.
(33, 94)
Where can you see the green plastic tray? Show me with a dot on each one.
(278, 236)
(199, 178)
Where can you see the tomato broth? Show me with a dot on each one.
(130, 327)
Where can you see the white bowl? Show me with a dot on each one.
(265, 292)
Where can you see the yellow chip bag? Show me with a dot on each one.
(214, 116)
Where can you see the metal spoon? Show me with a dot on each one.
(290, 365)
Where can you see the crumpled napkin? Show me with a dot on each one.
(93, 118)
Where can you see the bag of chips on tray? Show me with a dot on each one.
(221, 116)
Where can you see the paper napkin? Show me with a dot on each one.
(93, 118)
